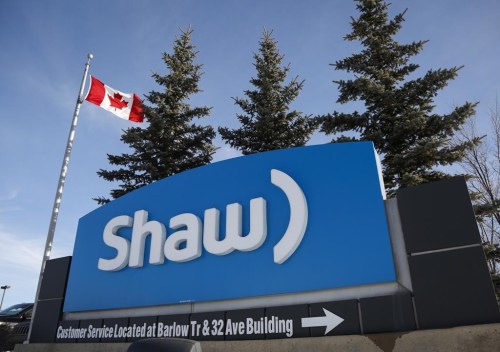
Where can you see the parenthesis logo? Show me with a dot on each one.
(298, 216)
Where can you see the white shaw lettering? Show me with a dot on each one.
(195, 233)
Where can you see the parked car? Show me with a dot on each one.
(20, 331)
(19, 314)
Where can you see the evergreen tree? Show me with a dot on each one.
(171, 143)
(398, 117)
(267, 122)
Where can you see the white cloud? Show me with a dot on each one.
(20, 254)
(8, 209)
(20, 261)
(9, 196)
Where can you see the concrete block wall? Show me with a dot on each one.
(450, 278)
(50, 301)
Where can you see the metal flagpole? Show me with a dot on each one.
(60, 186)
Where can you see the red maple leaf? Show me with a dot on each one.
(117, 102)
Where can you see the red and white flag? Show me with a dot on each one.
(127, 106)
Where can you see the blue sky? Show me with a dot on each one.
(44, 45)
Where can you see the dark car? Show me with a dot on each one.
(9, 319)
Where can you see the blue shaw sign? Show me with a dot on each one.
(287, 221)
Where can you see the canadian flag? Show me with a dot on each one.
(127, 106)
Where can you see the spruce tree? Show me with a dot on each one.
(267, 122)
(172, 142)
(398, 112)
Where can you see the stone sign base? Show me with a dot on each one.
(475, 338)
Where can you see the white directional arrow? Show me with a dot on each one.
(330, 321)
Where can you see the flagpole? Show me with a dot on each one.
(60, 187)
